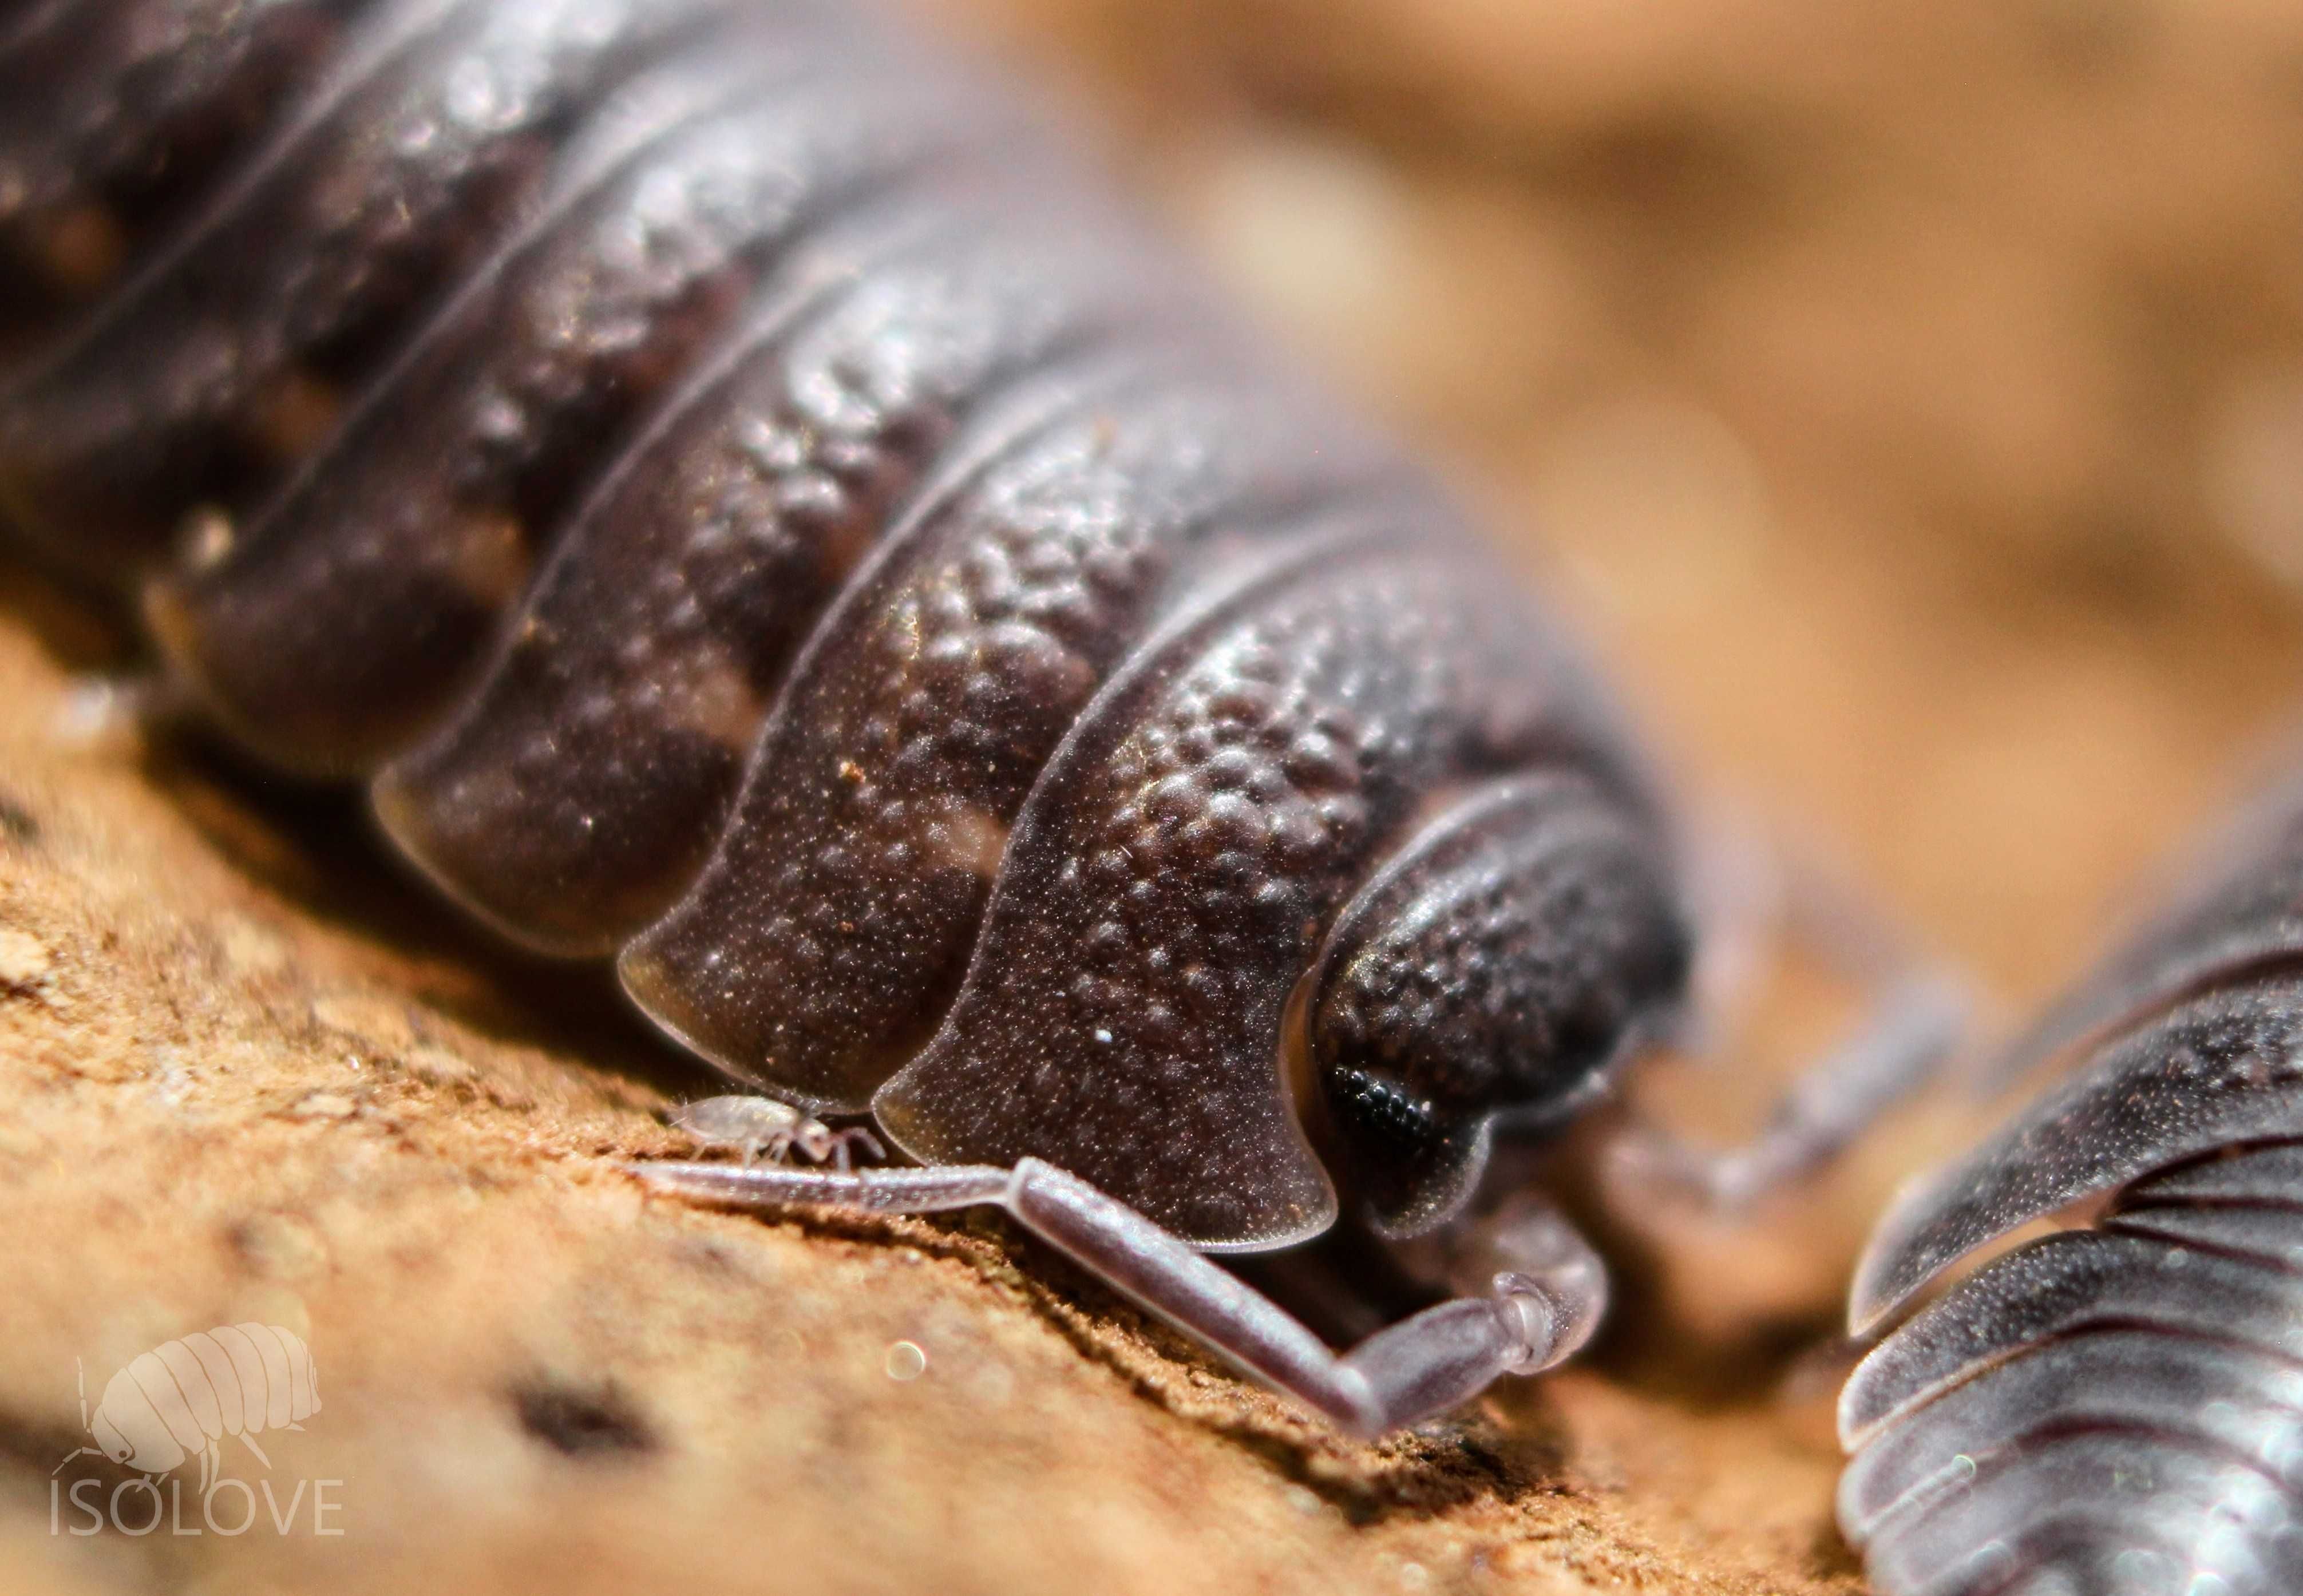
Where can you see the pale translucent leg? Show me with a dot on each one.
(1736, 893)
(1903, 1044)
(838, 1148)
(1522, 1322)
(1917, 1018)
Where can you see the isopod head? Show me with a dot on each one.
(1492, 971)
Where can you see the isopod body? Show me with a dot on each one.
(745, 507)
(2114, 1408)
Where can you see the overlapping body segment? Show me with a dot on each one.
(820, 943)
(119, 112)
(747, 507)
(893, 364)
(333, 630)
(1270, 749)
(2117, 1408)
(222, 354)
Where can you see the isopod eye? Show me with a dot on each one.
(1491, 972)
(1414, 1159)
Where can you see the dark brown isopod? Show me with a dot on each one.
(744, 506)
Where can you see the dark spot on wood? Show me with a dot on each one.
(581, 1422)
(712, 1258)
(18, 824)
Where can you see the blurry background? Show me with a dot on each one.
(1910, 397)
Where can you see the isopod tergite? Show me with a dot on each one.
(2116, 1407)
(745, 507)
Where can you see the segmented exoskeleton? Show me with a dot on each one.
(2117, 1408)
(745, 507)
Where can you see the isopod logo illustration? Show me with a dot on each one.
(181, 1399)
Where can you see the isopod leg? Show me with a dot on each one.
(1736, 893)
(874, 1191)
(1911, 1033)
(839, 1148)
(1425, 1364)
(1903, 1044)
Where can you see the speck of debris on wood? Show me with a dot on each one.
(24, 962)
(18, 824)
(583, 1422)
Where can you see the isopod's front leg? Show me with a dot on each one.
(1903, 1043)
(1917, 1015)
(1524, 1321)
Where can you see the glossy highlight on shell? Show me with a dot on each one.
(745, 507)
(2116, 1407)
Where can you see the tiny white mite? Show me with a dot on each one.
(756, 1125)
